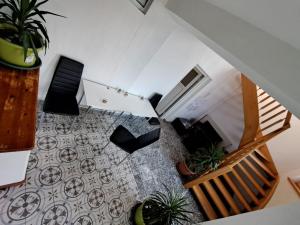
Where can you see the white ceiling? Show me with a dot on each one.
(281, 18)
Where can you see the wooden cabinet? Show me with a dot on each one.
(18, 106)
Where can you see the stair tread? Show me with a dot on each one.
(257, 172)
(245, 187)
(227, 196)
(252, 180)
(263, 166)
(239, 195)
(209, 211)
(213, 194)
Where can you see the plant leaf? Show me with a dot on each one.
(33, 47)
(26, 45)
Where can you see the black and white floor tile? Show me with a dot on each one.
(71, 180)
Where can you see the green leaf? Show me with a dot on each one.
(28, 19)
(26, 45)
(50, 13)
(32, 4)
(42, 29)
(6, 16)
(40, 14)
(13, 3)
(9, 5)
(41, 3)
(33, 47)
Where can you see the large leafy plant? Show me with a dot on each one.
(24, 22)
(166, 208)
(206, 159)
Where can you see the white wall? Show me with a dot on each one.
(111, 37)
(221, 99)
(122, 47)
(178, 55)
(286, 155)
(270, 62)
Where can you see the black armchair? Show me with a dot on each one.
(129, 143)
(61, 96)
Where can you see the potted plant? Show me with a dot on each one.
(203, 160)
(163, 209)
(22, 31)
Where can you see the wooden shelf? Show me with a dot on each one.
(18, 104)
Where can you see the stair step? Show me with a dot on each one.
(264, 99)
(268, 104)
(227, 196)
(236, 191)
(262, 93)
(272, 124)
(271, 110)
(274, 116)
(257, 151)
(209, 211)
(263, 166)
(252, 180)
(213, 194)
(258, 173)
(245, 187)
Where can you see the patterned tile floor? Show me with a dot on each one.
(71, 180)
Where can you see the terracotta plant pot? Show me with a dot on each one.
(184, 170)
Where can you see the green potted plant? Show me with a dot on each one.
(22, 31)
(163, 209)
(203, 160)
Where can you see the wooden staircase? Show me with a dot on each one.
(247, 178)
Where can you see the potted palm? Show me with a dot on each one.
(163, 209)
(22, 31)
(202, 161)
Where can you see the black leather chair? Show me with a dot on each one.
(61, 96)
(154, 100)
(129, 143)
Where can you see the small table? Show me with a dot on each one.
(104, 97)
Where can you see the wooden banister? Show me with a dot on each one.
(251, 116)
(208, 176)
(247, 177)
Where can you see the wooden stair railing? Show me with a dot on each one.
(247, 178)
